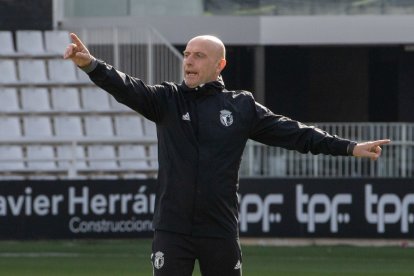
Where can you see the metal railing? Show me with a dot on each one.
(397, 158)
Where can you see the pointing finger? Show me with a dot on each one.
(77, 41)
(380, 142)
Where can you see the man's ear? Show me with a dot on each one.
(222, 63)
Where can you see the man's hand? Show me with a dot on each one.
(370, 149)
(77, 52)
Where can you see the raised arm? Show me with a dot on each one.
(147, 100)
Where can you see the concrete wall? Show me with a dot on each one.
(271, 30)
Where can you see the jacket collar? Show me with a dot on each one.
(209, 88)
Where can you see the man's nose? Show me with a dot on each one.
(189, 60)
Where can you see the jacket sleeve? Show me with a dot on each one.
(147, 100)
(277, 130)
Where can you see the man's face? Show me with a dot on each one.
(201, 62)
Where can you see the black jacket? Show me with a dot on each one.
(202, 133)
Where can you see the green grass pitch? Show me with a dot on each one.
(131, 257)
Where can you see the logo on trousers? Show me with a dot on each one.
(159, 260)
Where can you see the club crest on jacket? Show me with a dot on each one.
(226, 118)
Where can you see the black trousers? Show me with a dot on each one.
(175, 254)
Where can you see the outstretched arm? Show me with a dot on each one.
(370, 149)
(148, 100)
(77, 52)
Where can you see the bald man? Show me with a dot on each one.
(202, 130)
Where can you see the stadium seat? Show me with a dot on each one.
(131, 156)
(94, 99)
(69, 154)
(11, 158)
(99, 126)
(32, 71)
(9, 100)
(8, 73)
(10, 127)
(35, 99)
(37, 126)
(40, 158)
(30, 42)
(68, 127)
(62, 71)
(6, 42)
(102, 157)
(65, 99)
(56, 41)
(129, 126)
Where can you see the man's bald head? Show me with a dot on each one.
(204, 59)
(213, 42)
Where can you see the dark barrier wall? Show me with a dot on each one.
(26, 15)
(340, 208)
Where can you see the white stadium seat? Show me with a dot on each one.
(30, 42)
(94, 99)
(8, 73)
(56, 41)
(10, 127)
(132, 157)
(62, 71)
(129, 126)
(32, 71)
(37, 126)
(68, 127)
(99, 126)
(69, 154)
(65, 99)
(35, 99)
(9, 100)
(40, 157)
(11, 158)
(6, 42)
(102, 157)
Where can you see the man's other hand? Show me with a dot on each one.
(370, 149)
